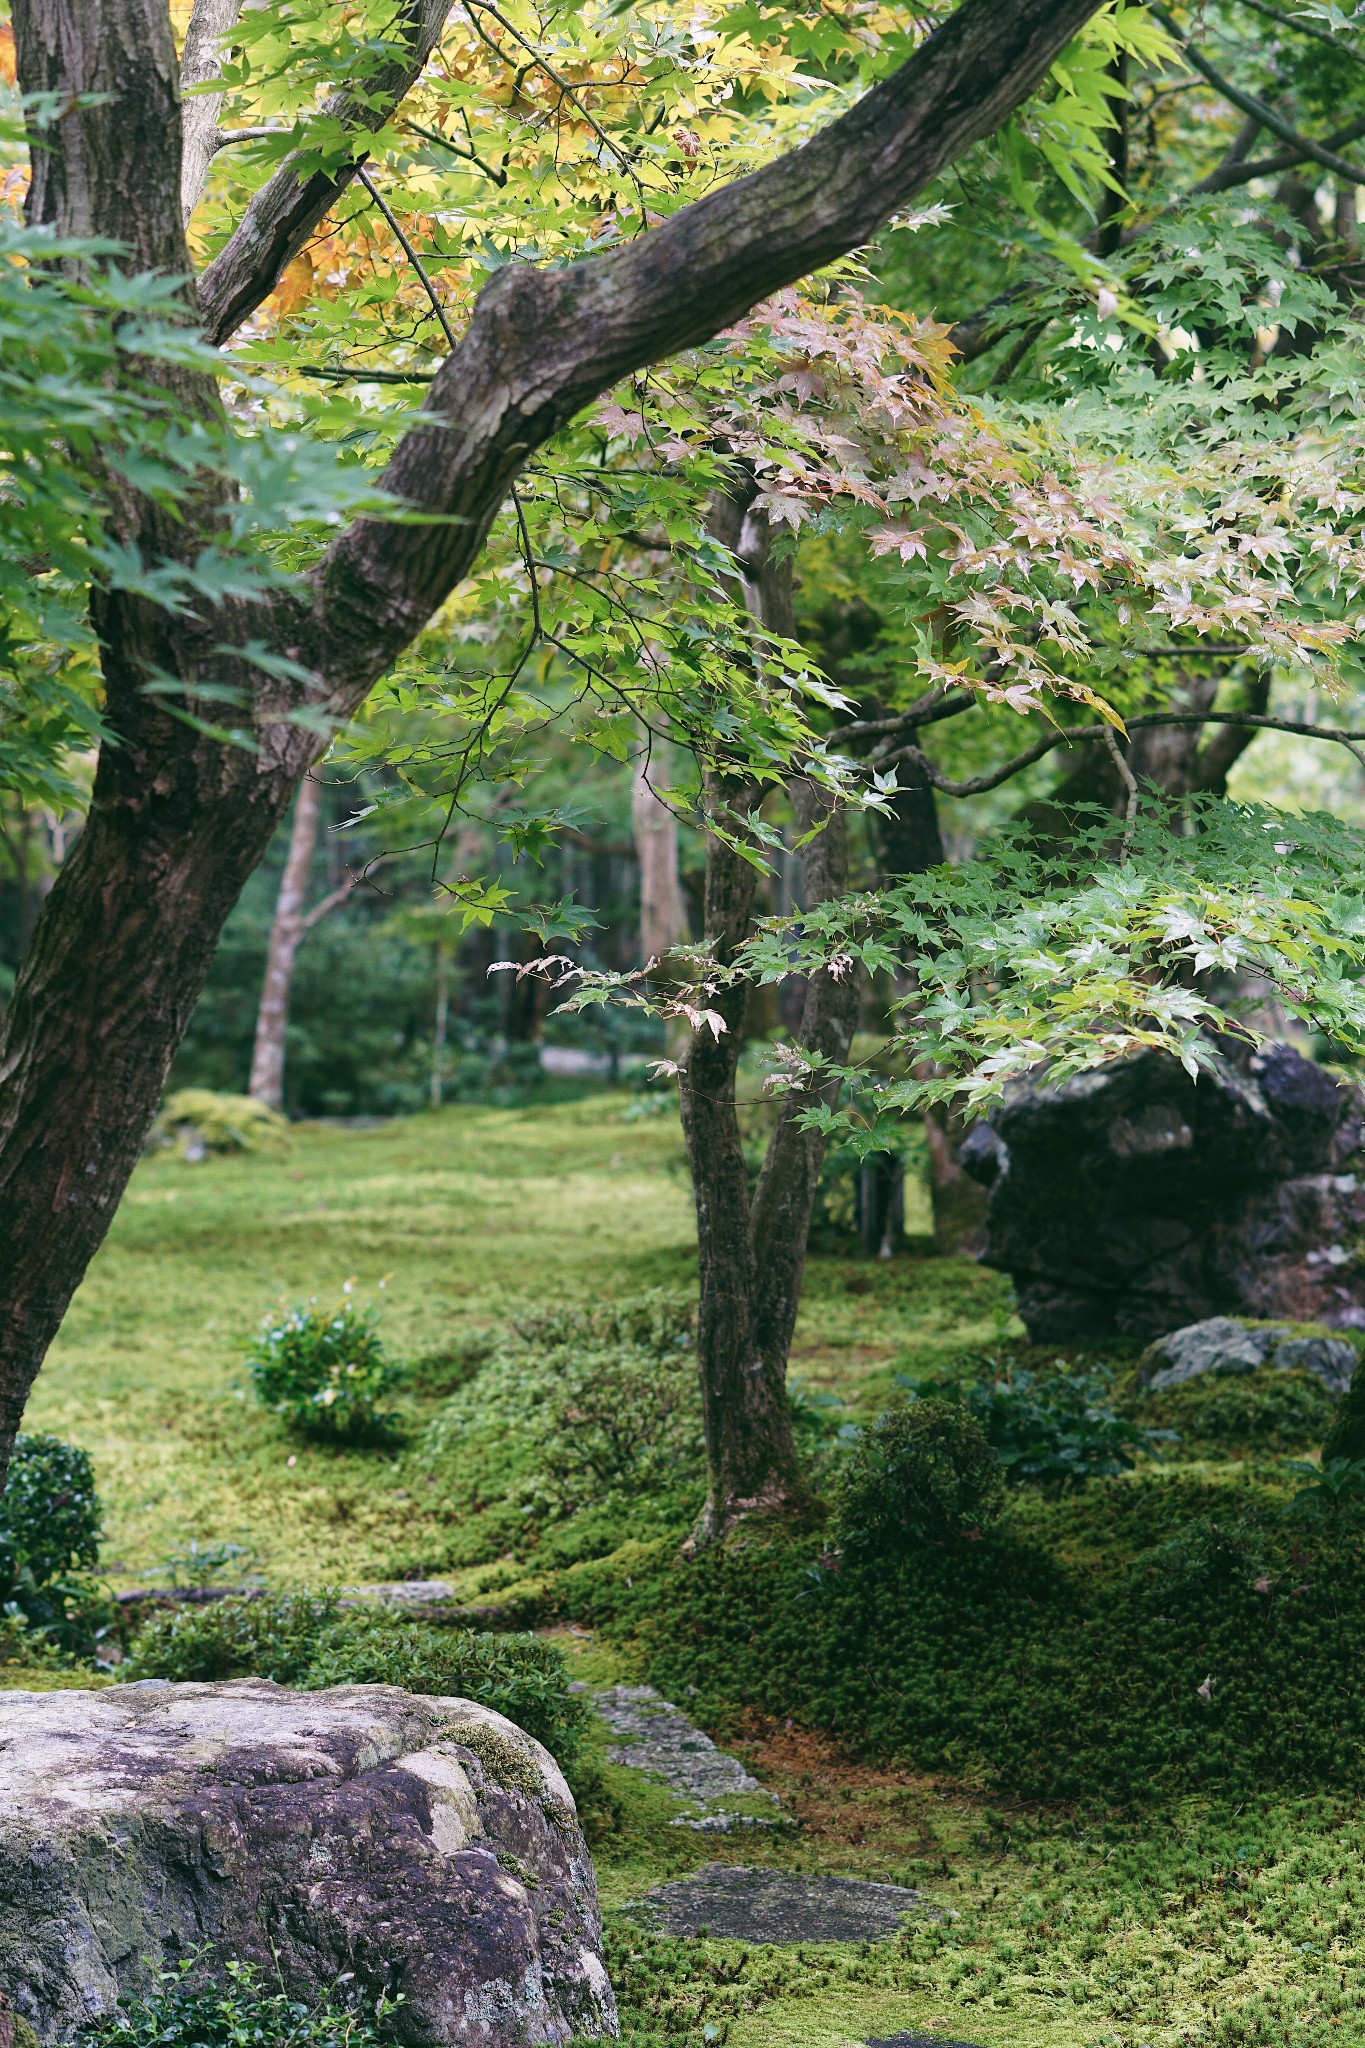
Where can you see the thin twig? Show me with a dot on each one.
(475, 7)
(332, 374)
(1259, 109)
(466, 156)
(414, 259)
(1073, 735)
(1129, 781)
(1305, 28)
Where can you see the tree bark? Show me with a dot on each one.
(286, 934)
(178, 821)
(663, 912)
(752, 1254)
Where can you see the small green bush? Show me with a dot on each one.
(50, 1543)
(1054, 1422)
(239, 2011)
(325, 1371)
(197, 1122)
(923, 1472)
(310, 1641)
(1346, 1437)
(236, 1637)
(582, 1427)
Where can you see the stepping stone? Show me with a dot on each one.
(657, 1737)
(735, 1903)
(919, 2041)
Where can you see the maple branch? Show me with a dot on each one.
(290, 205)
(543, 343)
(408, 250)
(1259, 109)
(1070, 735)
(1305, 28)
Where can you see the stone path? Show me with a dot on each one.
(734, 1903)
(657, 1737)
(919, 2041)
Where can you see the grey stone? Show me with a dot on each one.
(736, 1903)
(1333, 1359)
(1221, 1344)
(657, 1737)
(1218, 1344)
(427, 1846)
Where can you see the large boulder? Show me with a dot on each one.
(427, 1846)
(1138, 1200)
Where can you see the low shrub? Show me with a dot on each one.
(237, 1637)
(188, 2009)
(1051, 1422)
(325, 1371)
(583, 1425)
(521, 1676)
(1346, 1437)
(922, 1473)
(310, 1641)
(198, 1122)
(50, 1544)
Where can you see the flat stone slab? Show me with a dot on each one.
(657, 1737)
(736, 1903)
(427, 1846)
(920, 2041)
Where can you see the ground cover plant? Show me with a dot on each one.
(1012, 1722)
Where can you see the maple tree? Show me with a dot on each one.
(208, 586)
(497, 442)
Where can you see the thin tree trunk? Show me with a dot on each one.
(286, 934)
(752, 1254)
(663, 912)
(442, 1023)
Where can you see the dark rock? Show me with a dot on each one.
(1223, 1345)
(1137, 1200)
(735, 1903)
(427, 1846)
(919, 2041)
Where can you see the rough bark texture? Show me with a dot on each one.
(201, 61)
(286, 933)
(178, 822)
(663, 911)
(427, 1846)
(752, 1254)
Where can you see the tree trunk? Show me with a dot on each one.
(663, 913)
(286, 934)
(752, 1255)
(442, 1022)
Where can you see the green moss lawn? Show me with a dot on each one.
(1198, 1919)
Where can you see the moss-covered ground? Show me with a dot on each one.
(1218, 1909)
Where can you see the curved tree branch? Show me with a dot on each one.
(1072, 735)
(289, 205)
(542, 344)
(1259, 109)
